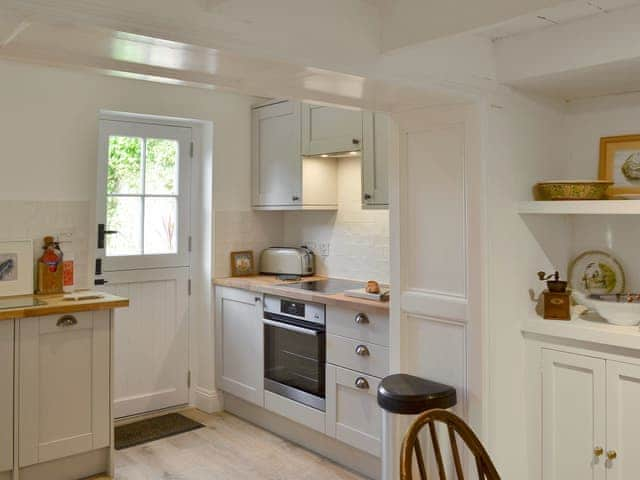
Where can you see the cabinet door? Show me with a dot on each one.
(330, 129)
(375, 158)
(573, 416)
(353, 414)
(6, 395)
(64, 385)
(623, 420)
(276, 160)
(239, 360)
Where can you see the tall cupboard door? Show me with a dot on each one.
(623, 420)
(330, 129)
(375, 159)
(573, 416)
(6, 395)
(239, 350)
(276, 160)
(63, 376)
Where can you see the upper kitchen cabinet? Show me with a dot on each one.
(375, 158)
(327, 130)
(281, 178)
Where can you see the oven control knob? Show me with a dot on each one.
(361, 319)
(362, 383)
(362, 350)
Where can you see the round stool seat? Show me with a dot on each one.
(407, 394)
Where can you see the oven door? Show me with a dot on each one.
(294, 361)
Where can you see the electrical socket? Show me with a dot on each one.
(65, 236)
(323, 249)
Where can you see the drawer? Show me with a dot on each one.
(353, 414)
(360, 356)
(368, 325)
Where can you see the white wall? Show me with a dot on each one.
(587, 121)
(358, 239)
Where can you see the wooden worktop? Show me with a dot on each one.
(271, 284)
(55, 304)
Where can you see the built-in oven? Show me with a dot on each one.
(295, 350)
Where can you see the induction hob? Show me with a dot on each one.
(329, 286)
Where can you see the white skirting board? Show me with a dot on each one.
(77, 466)
(350, 457)
(209, 401)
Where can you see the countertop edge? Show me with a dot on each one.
(59, 306)
(267, 284)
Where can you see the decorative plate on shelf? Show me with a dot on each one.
(596, 273)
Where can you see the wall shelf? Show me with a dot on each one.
(582, 207)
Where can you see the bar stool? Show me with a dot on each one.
(404, 394)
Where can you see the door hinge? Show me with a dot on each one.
(190, 243)
(189, 379)
(191, 149)
(189, 286)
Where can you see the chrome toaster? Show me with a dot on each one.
(287, 261)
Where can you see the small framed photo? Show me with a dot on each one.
(16, 268)
(620, 164)
(241, 263)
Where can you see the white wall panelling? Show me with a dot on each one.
(6, 395)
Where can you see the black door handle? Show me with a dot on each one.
(102, 232)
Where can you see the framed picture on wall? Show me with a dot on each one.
(16, 268)
(620, 164)
(241, 263)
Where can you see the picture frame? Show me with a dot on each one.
(242, 263)
(620, 164)
(16, 268)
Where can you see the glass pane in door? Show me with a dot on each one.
(124, 168)
(160, 225)
(124, 216)
(161, 167)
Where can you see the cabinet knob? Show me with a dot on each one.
(355, 141)
(361, 319)
(67, 321)
(362, 350)
(597, 451)
(258, 299)
(362, 383)
(295, 198)
(367, 196)
(611, 454)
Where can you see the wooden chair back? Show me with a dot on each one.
(455, 425)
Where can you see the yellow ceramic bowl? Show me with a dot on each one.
(573, 190)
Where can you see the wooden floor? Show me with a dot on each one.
(228, 448)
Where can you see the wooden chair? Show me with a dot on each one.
(411, 443)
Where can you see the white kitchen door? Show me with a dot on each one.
(143, 254)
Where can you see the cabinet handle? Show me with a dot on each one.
(597, 451)
(66, 321)
(611, 454)
(355, 141)
(362, 350)
(362, 383)
(361, 319)
(367, 196)
(295, 198)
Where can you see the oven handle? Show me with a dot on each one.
(293, 328)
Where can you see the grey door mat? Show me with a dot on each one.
(151, 429)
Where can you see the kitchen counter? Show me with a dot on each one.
(270, 284)
(55, 304)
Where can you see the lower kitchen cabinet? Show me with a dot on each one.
(63, 377)
(590, 417)
(239, 347)
(353, 415)
(6, 395)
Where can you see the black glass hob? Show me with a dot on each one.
(328, 286)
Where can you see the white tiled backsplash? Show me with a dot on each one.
(23, 220)
(357, 239)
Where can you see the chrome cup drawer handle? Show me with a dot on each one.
(362, 350)
(362, 383)
(361, 319)
(67, 321)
